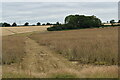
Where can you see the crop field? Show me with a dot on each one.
(96, 46)
(13, 49)
(84, 53)
(22, 29)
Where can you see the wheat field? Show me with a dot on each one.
(94, 46)
(84, 53)
(22, 29)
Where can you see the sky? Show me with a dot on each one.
(59, 0)
(33, 12)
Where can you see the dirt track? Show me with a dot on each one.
(15, 30)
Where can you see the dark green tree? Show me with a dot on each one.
(43, 24)
(78, 22)
(112, 22)
(57, 23)
(14, 24)
(38, 24)
(6, 25)
(81, 21)
(26, 24)
(118, 21)
(48, 24)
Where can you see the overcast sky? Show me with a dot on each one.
(33, 12)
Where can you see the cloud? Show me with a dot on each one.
(56, 11)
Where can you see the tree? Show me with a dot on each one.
(48, 24)
(33, 24)
(43, 24)
(78, 22)
(81, 21)
(26, 24)
(1, 24)
(14, 24)
(6, 25)
(38, 24)
(112, 22)
(118, 21)
(57, 23)
(107, 22)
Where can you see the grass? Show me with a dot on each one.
(100, 72)
(88, 46)
(13, 49)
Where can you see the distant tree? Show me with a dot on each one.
(77, 22)
(112, 22)
(1, 24)
(118, 21)
(14, 24)
(107, 22)
(48, 24)
(38, 24)
(26, 24)
(43, 24)
(33, 25)
(6, 25)
(57, 23)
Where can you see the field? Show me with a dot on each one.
(85, 53)
(97, 46)
(22, 29)
(13, 46)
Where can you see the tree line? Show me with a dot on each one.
(79, 22)
(25, 24)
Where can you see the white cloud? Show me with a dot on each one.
(52, 12)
